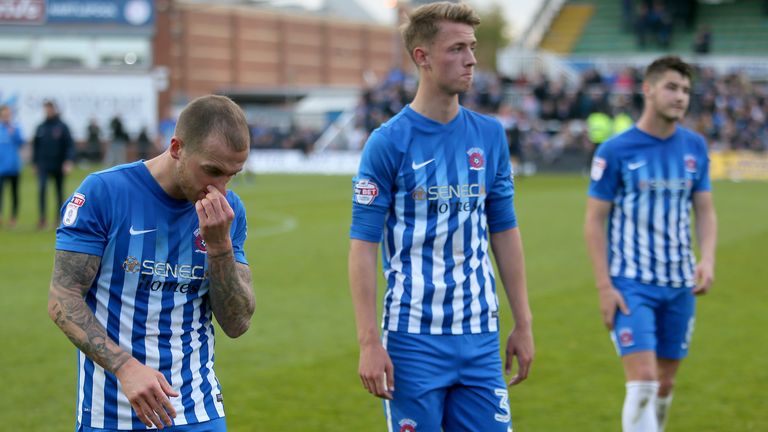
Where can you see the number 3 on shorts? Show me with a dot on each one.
(504, 405)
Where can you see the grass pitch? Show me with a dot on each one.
(296, 369)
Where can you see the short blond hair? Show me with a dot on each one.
(423, 22)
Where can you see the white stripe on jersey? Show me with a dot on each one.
(101, 313)
(643, 237)
(658, 240)
(417, 265)
(490, 296)
(630, 269)
(177, 356)
(616, 237)
(458, 279)
(124, 410)
(685, 221)
(438, 273)
(81, 358)
(396, 262)
(195, 364)
(474, 283)
(212, 380)
(674, 241)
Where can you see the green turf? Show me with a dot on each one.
(296, 369)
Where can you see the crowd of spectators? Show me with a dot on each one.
(546, 118)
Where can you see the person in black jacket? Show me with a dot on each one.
(53, 152)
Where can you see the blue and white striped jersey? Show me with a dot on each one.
(650, 182)
(431, 193)
(150, 292)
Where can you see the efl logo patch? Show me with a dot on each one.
(365, 192)
(476, 159)
(690, 163)
(626, 338)
(598, 168)
(407, 425)
(199, 242)
(70, 214)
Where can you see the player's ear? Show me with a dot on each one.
(420, 57)
(175, 148)
(646, 87)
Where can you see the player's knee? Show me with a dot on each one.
(665, 385)
(642, 374)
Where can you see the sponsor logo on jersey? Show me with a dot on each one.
(476, 159)
(407, 425)
(626, 338)
(164, 269)
(672, 185)
(70, 214)
(448, 192)
(690, 163)
(131, 264)
(365, 192)
(419, 194)
(450, 198)
(199, 242)
(598, 168)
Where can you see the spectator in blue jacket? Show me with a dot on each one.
(10, 161)
(53, 153)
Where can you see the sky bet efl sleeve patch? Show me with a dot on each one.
(365, 192)
(70, 215)
(598, 168)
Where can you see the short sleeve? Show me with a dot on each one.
(604, 173)
(702, 183)
(85, 219)
(239, 229)
(373, 187)
(499, 203)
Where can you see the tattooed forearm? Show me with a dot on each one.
(73, 274)
(230, 292)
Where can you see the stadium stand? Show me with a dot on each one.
(738, 27)
(567, 28)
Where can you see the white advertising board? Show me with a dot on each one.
(81, 97)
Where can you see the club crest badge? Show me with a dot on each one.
(407, 425)
(70, 213)
(476, 158)
(199, 242)
(626, 338)
(690, 163)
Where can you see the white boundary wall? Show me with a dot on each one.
(295, 162)
(80, 97)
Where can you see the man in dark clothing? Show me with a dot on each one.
(53, 151)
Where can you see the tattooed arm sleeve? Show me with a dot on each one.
(73, 274)
(231, 295)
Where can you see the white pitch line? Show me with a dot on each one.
(286, 224)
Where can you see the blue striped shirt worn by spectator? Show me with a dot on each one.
(150, 292)
(651, 182)
(432, 193)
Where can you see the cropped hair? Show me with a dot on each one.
(656, 69)
(423, 23)
(213, 115)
